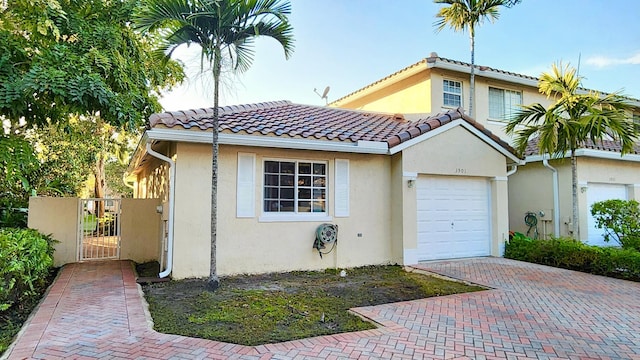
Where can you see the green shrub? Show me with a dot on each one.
(574, 255)
(620, 220)
(26, 258)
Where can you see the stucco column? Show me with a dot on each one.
(409, 218)
(633, 192)
(499, 214)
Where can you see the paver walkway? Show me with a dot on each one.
(95, 311)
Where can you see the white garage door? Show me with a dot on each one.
(600, 192)
(453, 217)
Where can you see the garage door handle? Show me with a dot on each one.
(452, 225)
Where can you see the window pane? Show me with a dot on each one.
(304, 180)
(271, 206)
(271, 192)
(319, 181)
(319, 169)
(319, 206)
(304, 194)
(286, 193)
(318, 193)
(286, 206)
(304, 168)
(304, 206)
(452, 100)
(496, 103)
(286, 180)
(271, 167)
(287, 168)
(271, 180)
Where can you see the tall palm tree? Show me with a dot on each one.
(463, 15)
(573, 119)
(221, 28)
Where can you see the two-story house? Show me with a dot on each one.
(541, 187)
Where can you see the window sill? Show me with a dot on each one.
(295, 218)
(497, 121)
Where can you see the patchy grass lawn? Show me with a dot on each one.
(261, 309)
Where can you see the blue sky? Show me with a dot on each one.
(347, 44)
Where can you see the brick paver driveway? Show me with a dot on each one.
(94, 310)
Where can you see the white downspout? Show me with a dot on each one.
(172, 177)
(556, 198)
(513, 170)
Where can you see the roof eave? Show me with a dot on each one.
(204, 137)
(600, 154)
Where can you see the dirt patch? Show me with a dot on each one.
(267, 308)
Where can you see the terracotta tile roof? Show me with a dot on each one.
(285, 119)
(605, 145)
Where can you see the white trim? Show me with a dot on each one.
(409, 256)
(204, 137)
(500, 178)
(409, 174)
(295, 218)
(601, 154)
(448, 126)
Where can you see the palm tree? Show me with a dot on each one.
(221, 28)
(464, 15)
(572, 120)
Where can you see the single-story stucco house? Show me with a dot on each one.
(543, 187)
(400, 191)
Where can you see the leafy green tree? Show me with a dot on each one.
(621, 221)
(466, 15)
(61, 57)
(221, 28)
(572, 120)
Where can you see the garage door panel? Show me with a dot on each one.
(453, 217)
(599, 192)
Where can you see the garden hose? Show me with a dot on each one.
(531, 220)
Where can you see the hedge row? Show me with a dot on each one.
(26, 259)
(574, 255)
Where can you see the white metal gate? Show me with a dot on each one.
(99, 229)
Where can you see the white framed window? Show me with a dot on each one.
(295, 187)
(503, 104)
(452, 93)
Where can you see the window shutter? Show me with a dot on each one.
(246, 189)
(342, 188)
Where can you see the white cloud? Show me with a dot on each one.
(605, 61)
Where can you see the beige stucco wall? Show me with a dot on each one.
(58, 217)
(531, 189)
(455, 152)
(140, 226)
(410, 95)
(252, 245)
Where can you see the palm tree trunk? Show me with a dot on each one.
(99, 185)
(472, 88)
(574, 193)
(213, 281)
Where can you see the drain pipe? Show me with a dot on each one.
(556, 198)
(513, 170)
(172, 177)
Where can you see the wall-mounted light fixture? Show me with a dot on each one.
(411, 183)
(583, 188)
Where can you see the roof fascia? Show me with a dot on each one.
(485, 73)
(448, 126)
(600, 154)
(363, 147)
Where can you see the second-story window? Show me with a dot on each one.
(452, 92)
(503, 104)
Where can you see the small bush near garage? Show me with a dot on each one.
(620, 220)
(574, 255)
(26, 264)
